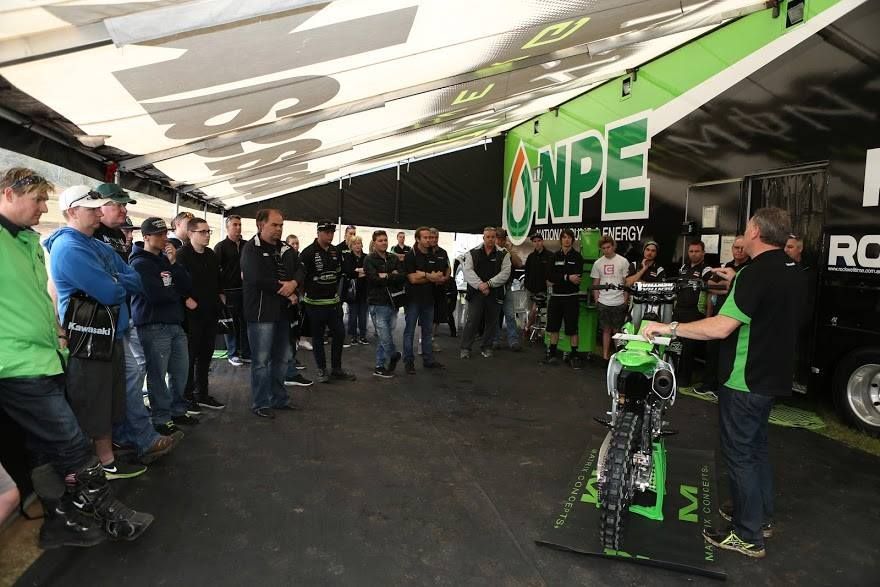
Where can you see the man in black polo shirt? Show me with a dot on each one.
(401, 248)
(320, 272)
(690, 306)
(423, 274)
(757, 327)
(486, 270)
(229, 256)
(564, 304)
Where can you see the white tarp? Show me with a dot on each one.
(281, 95)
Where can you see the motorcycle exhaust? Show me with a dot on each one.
(664, 382)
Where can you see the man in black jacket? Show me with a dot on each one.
(537, 270)
(268, 288)
(385, 281)
(202, 301)
(229, 255)
(320, 272)
(564, 304)
(486, 270)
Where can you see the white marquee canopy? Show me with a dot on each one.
(239, 101)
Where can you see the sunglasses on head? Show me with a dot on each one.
(92, 195)
(26, 181)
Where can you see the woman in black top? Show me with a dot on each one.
(357, 305)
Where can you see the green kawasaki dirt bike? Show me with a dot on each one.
(631, 472)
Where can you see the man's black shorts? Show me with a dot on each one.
(96, 392)
(563, 308)
(611, 317)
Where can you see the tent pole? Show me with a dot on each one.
(397, 197)
(339, 205)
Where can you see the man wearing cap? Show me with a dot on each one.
(537, 268)
(229, 256)
(33, 351)
(158, 316)
(114, 215)
(320, 272)
(136, 429)
(646, 270)
(269, 286)
(80, 263)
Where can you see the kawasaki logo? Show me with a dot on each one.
(74, 327)
(574, 169)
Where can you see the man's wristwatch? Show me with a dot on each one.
(673, 326)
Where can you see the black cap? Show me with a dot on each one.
(535, 235)
(153, 226)
(127, 224)
(326, 226)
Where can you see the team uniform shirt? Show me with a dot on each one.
(654, 273)
(611, 271)
(415, 260)
(320, 273)
(565, 264)
(401, 249)
(688, 299)
(766, 297)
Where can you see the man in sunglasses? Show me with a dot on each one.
(33, 351)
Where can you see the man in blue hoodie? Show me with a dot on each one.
(79, 263)
(158, 316)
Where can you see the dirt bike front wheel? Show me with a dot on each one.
(617, 490)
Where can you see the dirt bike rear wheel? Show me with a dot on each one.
(616, 494)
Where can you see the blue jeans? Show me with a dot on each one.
(320, 318)
(165, 348)
(509, 322)
(52, 433)
(424, 315)
(137, 428)
(743, 419)
(384, 319)
(270, 353)
(357, 319)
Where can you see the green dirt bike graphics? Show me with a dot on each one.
(631, 470)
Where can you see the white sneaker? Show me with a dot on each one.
(304, 344)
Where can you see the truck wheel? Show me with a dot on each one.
(857, 389)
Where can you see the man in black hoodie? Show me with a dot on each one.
(269, 287)
(203, 301)
(158, 316)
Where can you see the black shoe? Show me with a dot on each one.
(323, 376)
(299, 366)
(298, 380)
(264, 413)
(551, 360)
(576, 363)
(211, 403)
(119, 470)
(166, 429)
(392, 364)
(342, 375)
(766, 528)
(185, 420)
(65, 526)
(383, 373)
(192, 408)
(287, 408)
(410, 368)
(728, 540)
(433, 365)
(363, 340)
(346, 343)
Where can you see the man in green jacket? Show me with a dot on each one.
(33, 351)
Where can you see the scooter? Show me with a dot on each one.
(631, 471)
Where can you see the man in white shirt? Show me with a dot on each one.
(611, 268)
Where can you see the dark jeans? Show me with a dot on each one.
(201, 332)
(237, 343)
(165, 349)
(743, 419)
(39, 406)
(481, 310)
(270, 353)
(357, 318)
(423, 313)
(321, 318)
